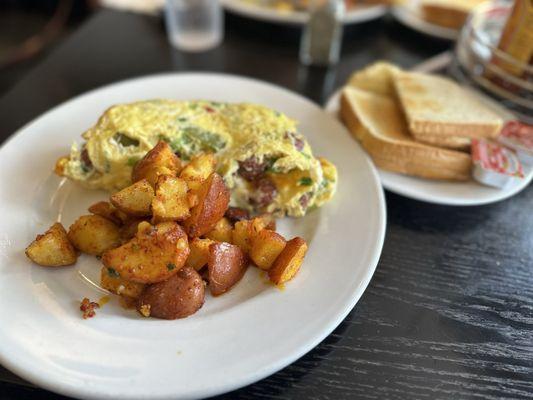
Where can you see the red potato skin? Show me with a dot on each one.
(213, 202)
(179, 296)
(226, 265)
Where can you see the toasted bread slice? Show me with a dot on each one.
(447, 13)
(441, 113)
(375, 78)
(377, 122)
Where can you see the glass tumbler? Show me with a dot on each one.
(194, 25)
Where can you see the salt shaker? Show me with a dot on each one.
(322, 36)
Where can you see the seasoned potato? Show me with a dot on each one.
(242, 235)
(198, 170)
(221, 232)
(158, 161)
(93, 234)
(111, 280)
(288, 262)
(199, 253)
(192, 199)
(129, 229)
(106, 210)
(263, 221)
(177, 297)
(135, 199)
(170, 202)
(213, 200)
(226, 265)
(245, 230)
(266, 247)
(235, 214)
(153, 255)
(59, 168)
(52, 249)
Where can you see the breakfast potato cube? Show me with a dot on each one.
(153, 255)
(52, 249)
(135, 199)
(213, 200)
(244, 231)
(226, 265)
(266, 247)
(221, 232)
(242, 235)
(108, 211)
(170, 202)
(199, 252)
(235, 214)
(61, 162)
(111, 280)
(129, 229)
(263, 221)
(179, 296)
(192, 199)
(288, 262)
(94, 234)
(159, 161)
(198, 170)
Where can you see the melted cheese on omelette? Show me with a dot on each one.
(236, 133)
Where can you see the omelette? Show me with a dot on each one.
(265, 162)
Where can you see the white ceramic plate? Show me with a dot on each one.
(447, 193)
(409, 16)
(239, 338)
(358, 15)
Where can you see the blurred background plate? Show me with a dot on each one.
(264, 13)
(409, 15)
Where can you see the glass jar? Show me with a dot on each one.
(479, 63)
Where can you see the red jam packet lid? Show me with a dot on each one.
(495, 157)
(519, 137)
(521, 134)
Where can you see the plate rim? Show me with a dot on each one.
(39, 379)
(331, 105)
(368, 13)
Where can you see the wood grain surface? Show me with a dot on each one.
(449, 312)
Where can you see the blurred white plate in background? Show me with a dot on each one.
(246, 9)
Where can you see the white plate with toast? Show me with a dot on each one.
(469, 193)
(232, 341)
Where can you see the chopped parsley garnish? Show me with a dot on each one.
(113, 273)
(182, 119)
(305, 181)
(171, 266)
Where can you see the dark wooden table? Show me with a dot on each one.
(449, 312)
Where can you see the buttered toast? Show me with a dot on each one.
(441, 113)
(377, 122)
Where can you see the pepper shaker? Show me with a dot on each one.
(322, 36)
